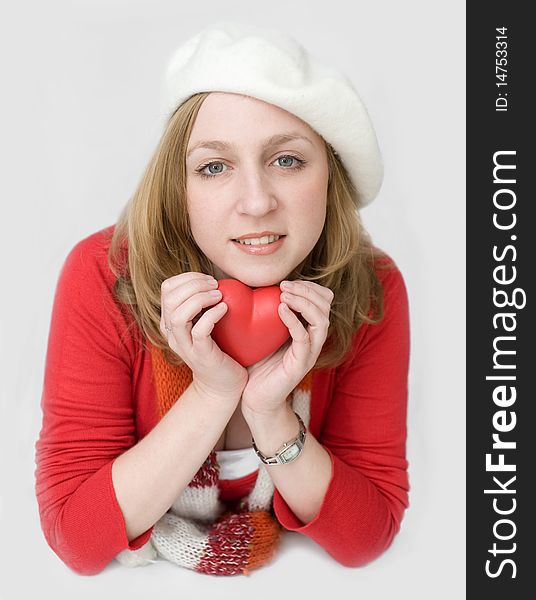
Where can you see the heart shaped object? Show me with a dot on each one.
(251, 328)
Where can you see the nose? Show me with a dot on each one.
(255, 194)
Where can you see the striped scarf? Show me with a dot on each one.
(199, 531)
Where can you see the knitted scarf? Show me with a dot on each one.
(199, 531)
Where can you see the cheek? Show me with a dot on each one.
(311, 205)
(202, 214)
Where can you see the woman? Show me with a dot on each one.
(157, 443)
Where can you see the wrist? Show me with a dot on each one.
(287, 452)
(271, 431)
(218, 398)
(265, 415)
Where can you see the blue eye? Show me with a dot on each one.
(287, 158)
(214, 168)
(299, 163)
(216, 164)
(213, 173)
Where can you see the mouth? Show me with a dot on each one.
(259, 241)
(260, 246)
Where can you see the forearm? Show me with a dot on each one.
(149, 477)
(350, 515)
(302, 482)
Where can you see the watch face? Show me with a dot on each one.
(289, 453)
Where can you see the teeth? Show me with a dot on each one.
(267, 239)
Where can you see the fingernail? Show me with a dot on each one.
(215, 293)
(286, 284)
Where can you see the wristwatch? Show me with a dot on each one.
(288, 452)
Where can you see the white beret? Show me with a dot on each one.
(273, 67)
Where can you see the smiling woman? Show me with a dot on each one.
(279, 185)
(156, 444)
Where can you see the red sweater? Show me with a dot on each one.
(99, 399)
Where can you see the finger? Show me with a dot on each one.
(171, 300)
(324, 291)
(315, 293)
(314, 315)
(182, 317)
(185, 338)
(318, 318)
(176, 289)
(173, 294)
(301, 341)
(172, 283)
(201, 340)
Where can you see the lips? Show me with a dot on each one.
(259, 234)
(260, 249)
(270, 238)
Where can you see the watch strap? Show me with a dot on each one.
(289, 451)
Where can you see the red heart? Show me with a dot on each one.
(251, 329)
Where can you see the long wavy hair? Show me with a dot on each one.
(152, 241)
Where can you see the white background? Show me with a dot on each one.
(80, 119)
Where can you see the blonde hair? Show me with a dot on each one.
(152, 241)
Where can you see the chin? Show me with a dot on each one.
(256, 280)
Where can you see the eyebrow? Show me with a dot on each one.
(275, 140)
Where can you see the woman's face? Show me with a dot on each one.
(252, 168)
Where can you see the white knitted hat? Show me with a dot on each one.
(271, 66)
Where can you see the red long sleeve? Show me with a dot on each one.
(99, 400)
(364, 432)
(87, 418)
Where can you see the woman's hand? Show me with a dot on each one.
(272, 379)
(184, 296)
